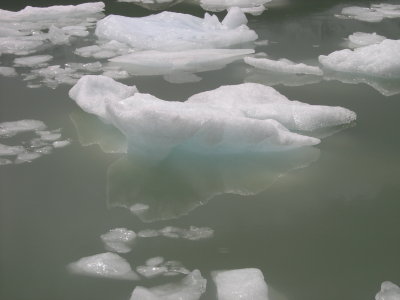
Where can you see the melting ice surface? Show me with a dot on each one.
(170, 31)
(389, 291)
(242, 284)
(107, 265)
(230, 119)
(189, 288)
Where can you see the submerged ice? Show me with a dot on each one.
(230, 119)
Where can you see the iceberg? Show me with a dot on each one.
(241, 284)
(107, 265)
(361, 39)
(8, 72)
(189, 288)
(154, 62)
(282, 66)
(378, 60)
(169, 31)
(119, 240)
(389, 291)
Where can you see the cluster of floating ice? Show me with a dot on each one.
(389, 291)
(361, 39)
(193, 233)
(42, 143)
(230, 119)
(375, 13)
(36, 28)
(107, 265)
(242, 284)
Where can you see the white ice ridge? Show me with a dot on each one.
(376, 13)
(254, 7)
(189, 288)
(231, 119)
(42, 143)
(169, 31)
(389, 291)
(361, 39)
(34, 28)
(241, 284)
(154, 62)
(107, 265)
(377, 60)
(282, 66)
(119, 240)
(193, 233)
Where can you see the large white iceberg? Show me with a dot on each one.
(377, 60)
(242, 284)
(189, 288)
(107, 265)
(169, 31)
(389, 291)
(230, 119)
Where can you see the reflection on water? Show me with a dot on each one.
(184, 181)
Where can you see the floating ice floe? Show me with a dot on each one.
(377, 65)
(8, 72)
(189, 288)
(107, 265)
(177, 62)
(156, 266)
(119, 240)
(254, 7)
(35, 28)
(242, 284)
(361, 39)
(42, 143)
(193, 233)
(230, 119)
(389, 291)
(169, 31)
(376, 13)
(282, 66)
(32, 61)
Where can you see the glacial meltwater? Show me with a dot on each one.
(199, 150)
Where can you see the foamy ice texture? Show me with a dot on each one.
(169, 31)
(119, 240)
(389, 291)
(254, 7)
(107, 265)
(282, 66)
(41, 143)
(377, 65)
(190, 287)
(231, 119)
(35, 28)
(177, 62)
(375, 13)
(193, 233)
(361, 39)
(241, 284)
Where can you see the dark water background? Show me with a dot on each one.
(321, 226)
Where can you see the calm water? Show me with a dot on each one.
(321, 224)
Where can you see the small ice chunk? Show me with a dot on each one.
(8, 129)
(44, 150)
(189, 288)
(389, 291)
(151, 271)
(234, 18)
(108, 265)
(241, 284)
(155, 261)
(58, 36)
(175, 31)
(8, 72)
(27, 157)
(19, 45)
(61, 144)
(92, 92)
(32, 61)
(254, 7)
(49, 136)
(6, 150)
(193, 233)
(119, 240)
(116, 74)
(87, 51)
(361, 39)
(282, 66)
(377, 60)
(5, 161)
(376, 13)
(148, 233)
